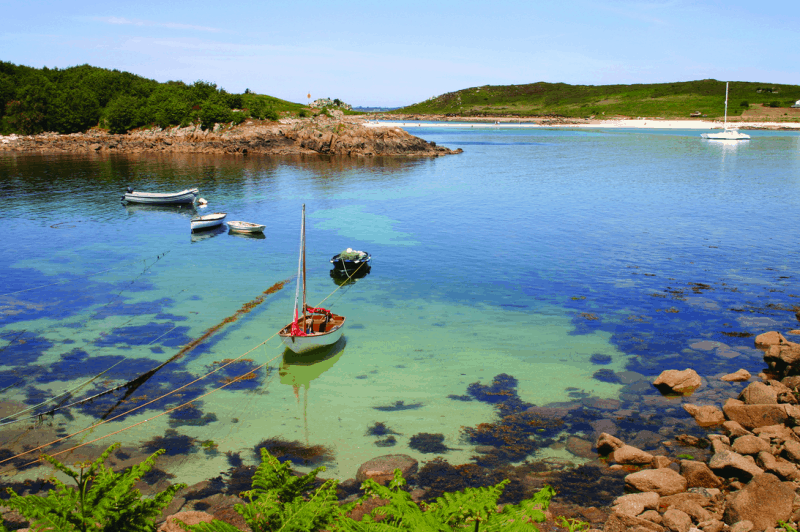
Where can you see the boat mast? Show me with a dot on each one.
(726, 105)
(303, 236)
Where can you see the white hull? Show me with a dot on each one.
(245, 227)
(303, 344)
(156, 198)
(208, 221)
(728, 134)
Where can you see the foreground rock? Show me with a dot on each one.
(678, 382)
(381, 469)
(289, 137)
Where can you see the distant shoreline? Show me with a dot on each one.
(648, 123)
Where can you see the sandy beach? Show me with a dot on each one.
(506, 123)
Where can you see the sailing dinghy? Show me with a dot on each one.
(311, 327)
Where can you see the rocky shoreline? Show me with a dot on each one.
(745, 478)
(741, 475)
(317, 136)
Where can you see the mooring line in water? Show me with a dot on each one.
(82, 277)
(247, 307)
(135, 383)
(149, 403)
(8, 421)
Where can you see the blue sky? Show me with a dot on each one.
(398, 53)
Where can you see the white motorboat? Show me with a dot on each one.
(161, 198)
(207, 221)
(727, 133)
(313, 327)
(236, 226)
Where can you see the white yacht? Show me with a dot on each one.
(726, 133)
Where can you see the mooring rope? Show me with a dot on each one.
(248, 307)
(8, 421)
(133, 384)
(82, 277)
(103, 422)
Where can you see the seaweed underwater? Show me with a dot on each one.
(134, 384)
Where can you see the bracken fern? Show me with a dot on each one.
(102, 501)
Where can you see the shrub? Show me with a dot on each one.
(302, 113)
(744, 103)
(774, 104)
(214, 111)
(104, 501)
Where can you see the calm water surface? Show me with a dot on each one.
(575, 264)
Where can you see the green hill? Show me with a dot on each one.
(667, 100)
(78, 98)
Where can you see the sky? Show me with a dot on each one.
(397, 53)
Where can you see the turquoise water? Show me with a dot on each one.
(578, 262)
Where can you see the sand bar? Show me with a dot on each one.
(619, 124)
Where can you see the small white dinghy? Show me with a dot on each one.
(207, 221)
(236, 226)
(158, 198)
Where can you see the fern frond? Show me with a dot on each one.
(213, 526)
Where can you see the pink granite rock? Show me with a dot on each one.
(738, 376)
(705, 416)
(684, 382)
(662, 481)
(764, 501)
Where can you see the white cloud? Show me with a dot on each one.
(148, 23)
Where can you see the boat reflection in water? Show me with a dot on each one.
(341, 277)
(252, 236)
(298, 370)
(180, 210)
(208, 233)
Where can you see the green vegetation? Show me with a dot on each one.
(104, 501)
(282, 501)
(78, 98)
(667, 100)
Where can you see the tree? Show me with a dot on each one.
(121, 113)
(214, 111)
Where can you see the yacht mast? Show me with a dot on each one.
(726, 104)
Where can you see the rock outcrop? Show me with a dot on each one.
(288, 137)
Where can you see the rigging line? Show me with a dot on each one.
(8, 421)
(77, 278)
(151, 402)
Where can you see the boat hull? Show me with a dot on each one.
(349, 265)
(154, 198)
(208, 221)
(315, 340)
(726, 135)
(245, 227)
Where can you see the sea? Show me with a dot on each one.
(521, 298)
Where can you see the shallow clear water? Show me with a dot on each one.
(526, 255)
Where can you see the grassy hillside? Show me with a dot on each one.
(668, 100)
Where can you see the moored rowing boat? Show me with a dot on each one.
(207, 221)
(161, 198)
